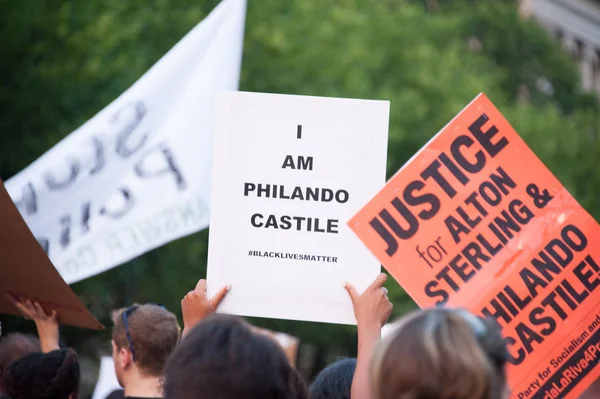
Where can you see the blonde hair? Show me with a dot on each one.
(440, 354)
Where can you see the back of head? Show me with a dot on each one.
(441, 354)
(335, 381)
(53, 375)
(221, 358)
(151, 334)
(13, 347)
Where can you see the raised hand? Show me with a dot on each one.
(372, 308)
(46, 324)
(195, 306)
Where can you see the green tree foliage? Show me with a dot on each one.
(64, 61)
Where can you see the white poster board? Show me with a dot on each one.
(288, 173)
(107, 379)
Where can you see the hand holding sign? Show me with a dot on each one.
(372, 308)
(46, 324)
(196, 306)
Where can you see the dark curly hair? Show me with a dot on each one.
(53, 375)
(221, 358)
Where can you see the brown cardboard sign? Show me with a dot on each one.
(26, 272)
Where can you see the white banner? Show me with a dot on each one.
(137, 175)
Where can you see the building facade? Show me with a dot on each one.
(576, 23)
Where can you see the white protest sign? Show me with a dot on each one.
(107, 379)
(288, 173)
(136, 175)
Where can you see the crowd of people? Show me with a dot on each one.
(429, 354)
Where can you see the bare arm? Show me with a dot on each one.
(372, 309)
(367, 341)
(46, 324)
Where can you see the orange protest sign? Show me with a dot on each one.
(27, 273)
(476, 220)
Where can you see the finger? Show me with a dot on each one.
(186, 298)
(12, 299)
(201, 286)
(385, 291)
(216, 300)
(388, 313)
(54, 316)
(30, 308)
(39, 310)
(351, 291)
(379, 281)
(22, 309)
(390, 305)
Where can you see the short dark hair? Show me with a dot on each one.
(15, 346)
(335, 381)
(154, 333)
(221, 358)
(53, 375)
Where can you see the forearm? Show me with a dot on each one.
(367, 341)
(48, 337)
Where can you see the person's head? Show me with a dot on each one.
(335, 381)
(441, 353)
(221, 358)
(53, 375)
(13, 347)
(143, 338)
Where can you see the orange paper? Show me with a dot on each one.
(476, 220)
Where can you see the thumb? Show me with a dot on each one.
(54, 316)
(201, 286)
(351, 291)
(218, 298)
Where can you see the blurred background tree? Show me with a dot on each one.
(64, 61)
